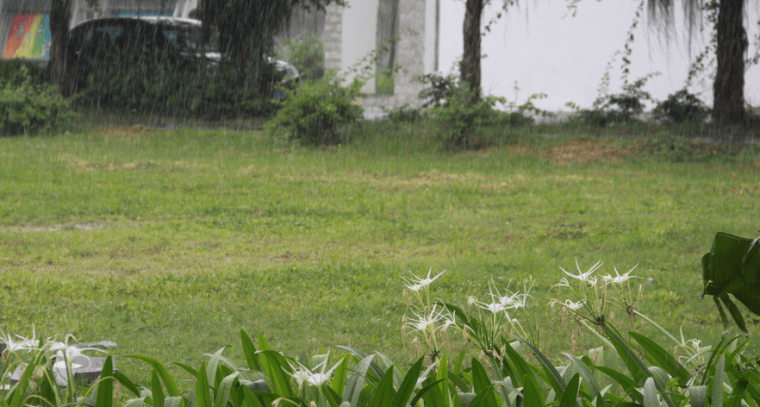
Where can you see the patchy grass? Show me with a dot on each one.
(169, 242)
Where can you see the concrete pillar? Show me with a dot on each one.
(410, 52)
(332, 38)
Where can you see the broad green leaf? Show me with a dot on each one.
(383, 395)
(104, 397)
(735, 313)
(174, 401)
(519, 367)
(189, 369)
(532, 394)
(212, 366)
(555, 379)
(443, 375)
(163, 373)
(570, 397)
(139, 402)
(249, 398)
(202, 389)
(628, 384)
(718, 380)
(156, 391)
(251, 358)
(426, 388)
(374, 366)
(650, 393)
(274, 366)
(222, 394)
(482, 385)
(355, 381)
(588, 376)
(20, 388)
(656, 355)
(698, 396)
(127, 383)
(635, 366)
(263, 344)
(340, 374)
(406, 389)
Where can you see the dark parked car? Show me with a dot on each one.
(116, 44)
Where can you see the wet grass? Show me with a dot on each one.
(170, 242)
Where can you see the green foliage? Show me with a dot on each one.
(307, 54)
(26, 105)
(618, 108)
(681, 107)
(733, 267)
(403, 114)
(314, 113)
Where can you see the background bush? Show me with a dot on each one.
(28, 104)
(681, 107)
(314, 112)
(307, 54)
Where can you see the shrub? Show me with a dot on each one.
(619, 108)
(681, 107)
(307, 54)
(27, 105)
(403, 114)
(314, 112)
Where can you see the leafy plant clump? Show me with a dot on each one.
(28, 105)
(618, 108)
(307, 54)
(681, 107)
(314, 113)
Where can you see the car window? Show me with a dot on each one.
(187, 38)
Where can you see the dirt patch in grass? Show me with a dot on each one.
(582, 151)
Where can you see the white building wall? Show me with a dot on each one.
(359, 33)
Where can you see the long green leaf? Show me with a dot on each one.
(737, 394)
(383, 394)
(718, 379)
(628, 384)
(163, 373)
(736, 314)
(249, 398)
(588, 376)
(104, 397)
(127, 383)
(212, 367)
(20, 388)
(519, 367)
(374, 366)
(251, 358)
(656, 355)
(482, 384)
(355, 381)
(426, 388)
(532, 394)
(555, 379)
(222, 394)
(274, 366)
(202, 389)
(174, 401)
(650, 393)
(635, 366)
(340, 375)
(406, 389)
(698, 396)
(570, 397)
(156, 391)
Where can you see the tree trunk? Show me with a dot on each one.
(469, 69)
(60, 15)
(728, 89)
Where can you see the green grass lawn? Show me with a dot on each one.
(170, 242)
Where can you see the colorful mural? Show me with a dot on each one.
(28, 37)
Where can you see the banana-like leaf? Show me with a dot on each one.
(163, 373)
(733, 267)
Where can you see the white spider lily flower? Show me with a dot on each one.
(618, 279)
(574, 306)
(302, 374)
(416, 283)
(581, 276)
(318, 379)
(494, 307)
(426, 320)
(24, 344)
(448, 321)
